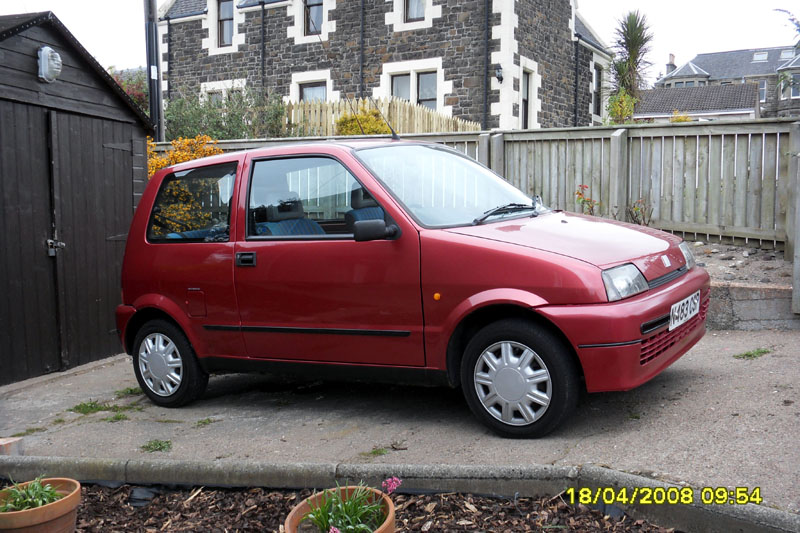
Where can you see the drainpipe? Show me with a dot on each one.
(169, 57)
(485, 121)
(361, 56)
(263, 51)
(577, 50)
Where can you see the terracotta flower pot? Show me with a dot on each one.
(57, 517)
(302, 508)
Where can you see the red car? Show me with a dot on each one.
(404, 262)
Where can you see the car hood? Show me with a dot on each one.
(600, 242)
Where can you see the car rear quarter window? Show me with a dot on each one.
(194, 205)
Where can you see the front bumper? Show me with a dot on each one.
(608, 338)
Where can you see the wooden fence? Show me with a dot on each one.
(319, 118)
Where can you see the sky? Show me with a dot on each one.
(682, 27)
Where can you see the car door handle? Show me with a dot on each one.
(245, 259)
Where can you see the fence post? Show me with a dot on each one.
(792, 248)
(619, 172)
(498, 161)
(483, 149)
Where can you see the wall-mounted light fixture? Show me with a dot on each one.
(49, 64)
(498, 73)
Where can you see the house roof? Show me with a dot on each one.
(791, 64)
(585, 32)
(177, 9)
(738, 64)
(11, 25)
(689, 70)
(739, 96)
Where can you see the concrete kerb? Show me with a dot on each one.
(508, 482)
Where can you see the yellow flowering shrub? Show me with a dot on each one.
(371, 120)
(677, 116)
(182, 150)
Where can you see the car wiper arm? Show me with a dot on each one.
(501, 209)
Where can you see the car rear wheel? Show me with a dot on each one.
(519, 379)
(166, 366)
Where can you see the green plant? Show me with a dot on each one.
(129, 391)
(631, 44)
(118, 417)
(204, 422)
(134, 83)
(361, 511)
(30, 496)
(620, 107)
(156, 445)
(87, 408)
(368, 120)
(677, 117)
(640, 212)
(752, 354)
(587, 204)
(28, 431)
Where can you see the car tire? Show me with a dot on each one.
(166, 366)
(519, 379)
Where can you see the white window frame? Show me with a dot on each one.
(534, 82)
(794, 85)
(221, 86)
(762, 91)
(312, 76)
(297, 30)
(765, 56)
(605, 65)
(415, 67)
(211, 23)
(397, 16)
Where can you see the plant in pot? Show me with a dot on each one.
(46, 505)
(350, 509)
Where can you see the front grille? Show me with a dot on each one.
(659, 343)
(666, 278)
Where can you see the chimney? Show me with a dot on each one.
(671, 65)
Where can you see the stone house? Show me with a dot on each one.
(776, 72)
(510, 64)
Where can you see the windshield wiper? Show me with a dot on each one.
(502, 209)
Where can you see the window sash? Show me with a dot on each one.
(526, 88)
(313, 16)
(795, 85)
(426, 89)
(414, 10)
(225, 29)
(312, 92)
(401, 86)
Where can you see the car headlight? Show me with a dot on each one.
(687, 254)
(623, 281)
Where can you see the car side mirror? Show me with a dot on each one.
(373, 230)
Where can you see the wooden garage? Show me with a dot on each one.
(72, 160)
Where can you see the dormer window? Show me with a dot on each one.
(760, 56)
(225, 32)
(787, 54)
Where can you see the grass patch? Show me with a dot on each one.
(168, 421)
(752, 354)
(156, 445)
(87, 408)
(375, 452)
(119, 417)
(204, 422)
(634, 416)
(29, 431)
(59, 421)
(129, 391)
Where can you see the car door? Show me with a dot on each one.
(306, 289)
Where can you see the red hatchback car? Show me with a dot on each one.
(398, 261)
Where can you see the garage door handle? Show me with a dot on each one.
(246, 259)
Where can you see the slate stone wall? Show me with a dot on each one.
(457, 37)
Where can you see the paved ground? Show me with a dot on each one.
(709, 420)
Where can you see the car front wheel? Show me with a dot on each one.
(166, 366)
(519, 379)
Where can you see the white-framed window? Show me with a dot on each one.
(311, 20)
(689, 84)
(217, 91)
(420, 81)
(787, 54)
(760, 56)
(795, 86)
(312, 85)
(407, 15)
(528, 96)
(525, 100)
(222, 22)
(762, 90)
(678, 84)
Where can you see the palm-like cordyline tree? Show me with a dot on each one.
(632, 44)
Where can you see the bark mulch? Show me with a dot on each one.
(141, 509)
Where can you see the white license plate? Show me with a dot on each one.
(684, 310)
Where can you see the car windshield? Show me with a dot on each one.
(443, 188)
